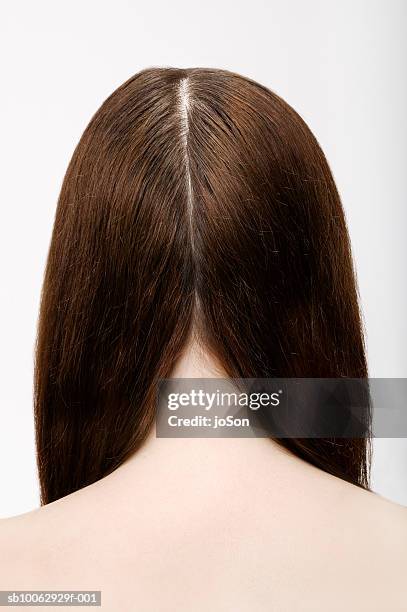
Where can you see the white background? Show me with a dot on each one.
(341, 64)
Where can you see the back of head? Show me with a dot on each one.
(196, 202)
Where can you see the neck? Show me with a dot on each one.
(197, 362)
(175, 467)
(200, 458)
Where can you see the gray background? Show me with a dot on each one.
(341, 64)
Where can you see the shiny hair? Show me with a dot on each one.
(196, 200)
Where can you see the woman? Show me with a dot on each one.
(199, 233)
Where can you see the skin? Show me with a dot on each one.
(214, 524)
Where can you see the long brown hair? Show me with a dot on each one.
(196, 198)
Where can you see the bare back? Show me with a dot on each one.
(214, 525)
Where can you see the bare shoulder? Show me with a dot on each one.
(387, 520)
(20, 544)
(365, 504)
(39, 545)
(378, 508)
(373, 523)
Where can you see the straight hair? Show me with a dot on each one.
(196, 201)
